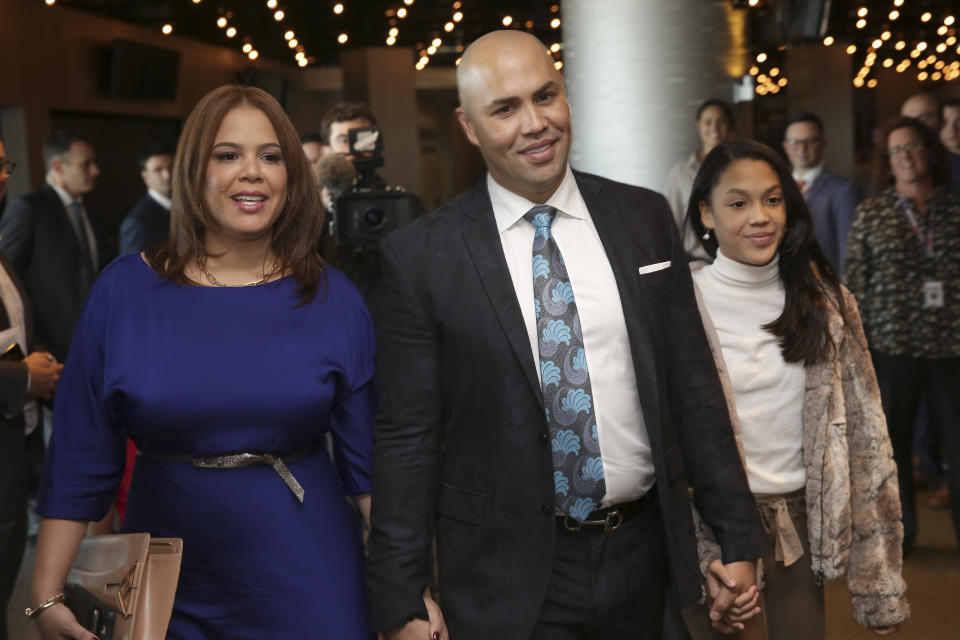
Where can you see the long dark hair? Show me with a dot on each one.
(802, 328)
(296, 230)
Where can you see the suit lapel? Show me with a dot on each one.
(628, 247)
(486, 251)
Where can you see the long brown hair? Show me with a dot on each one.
(297, 229)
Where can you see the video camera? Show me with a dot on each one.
(369, 210)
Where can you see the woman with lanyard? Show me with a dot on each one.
(903, 266)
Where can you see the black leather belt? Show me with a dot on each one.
(610, 518)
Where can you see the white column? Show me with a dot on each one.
(636, 71)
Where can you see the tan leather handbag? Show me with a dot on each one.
(121, 587)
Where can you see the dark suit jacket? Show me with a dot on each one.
(461, 444)
(147, 224)
(38, 239)
(832, 200)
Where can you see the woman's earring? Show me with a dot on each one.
(706, 234)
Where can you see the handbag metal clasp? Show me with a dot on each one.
(124, 588)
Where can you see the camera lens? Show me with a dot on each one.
(374, 218)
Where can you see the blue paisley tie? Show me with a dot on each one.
(578, 480)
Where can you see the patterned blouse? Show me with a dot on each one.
(887, 268)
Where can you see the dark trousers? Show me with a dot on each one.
(902, 379)
(13, 512)
(607, 585)
(791, 602)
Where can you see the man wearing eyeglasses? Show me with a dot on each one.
(832, 199)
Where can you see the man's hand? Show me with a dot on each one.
(417, 629)
(44, 371)
(734, 594)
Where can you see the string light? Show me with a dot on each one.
(555, 47)
(288, 35)
(221, 22)
(436, 42)
(254, 54)
(342, 38)
(507, 21)
(926, 17)
(900, 45)
(231, 32)
(876, 44)
(391, 40)
(292, 43)
(271, 4)
(872, 83)
(401, 13)
(302, 62)
(852, 49)
(457, 17)
(949, 20)
(894, 15)
(555, 23)
(863, 12)
(279, 15)
(50, 3)
(167, 29)
(761, 57)
(338, 8)
(448, 27)
(247, 48)
(861, 23)
(828, 41)
(558, 65)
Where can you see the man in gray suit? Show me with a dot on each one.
(832, 198)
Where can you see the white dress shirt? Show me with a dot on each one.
(68, 201)
(161, 199)
(808, 176)
(677, 192)
(624, 445)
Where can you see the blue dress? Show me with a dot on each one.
(206, 371)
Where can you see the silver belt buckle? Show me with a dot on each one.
(613, 521)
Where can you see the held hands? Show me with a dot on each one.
(58, 623)
(733, 591)
(418, 629)
(44, 372)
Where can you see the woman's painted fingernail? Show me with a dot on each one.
(436, 635)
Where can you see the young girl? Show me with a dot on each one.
(790, 350)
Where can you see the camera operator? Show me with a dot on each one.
(361, 208)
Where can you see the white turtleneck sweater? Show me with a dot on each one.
(767, 391)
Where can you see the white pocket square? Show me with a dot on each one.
(656, 266)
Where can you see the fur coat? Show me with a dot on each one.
(852, 497)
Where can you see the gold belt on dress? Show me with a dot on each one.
(238, 460)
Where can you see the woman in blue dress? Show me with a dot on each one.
(233, 338)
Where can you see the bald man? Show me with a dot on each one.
(925, 107)
(546, 393)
